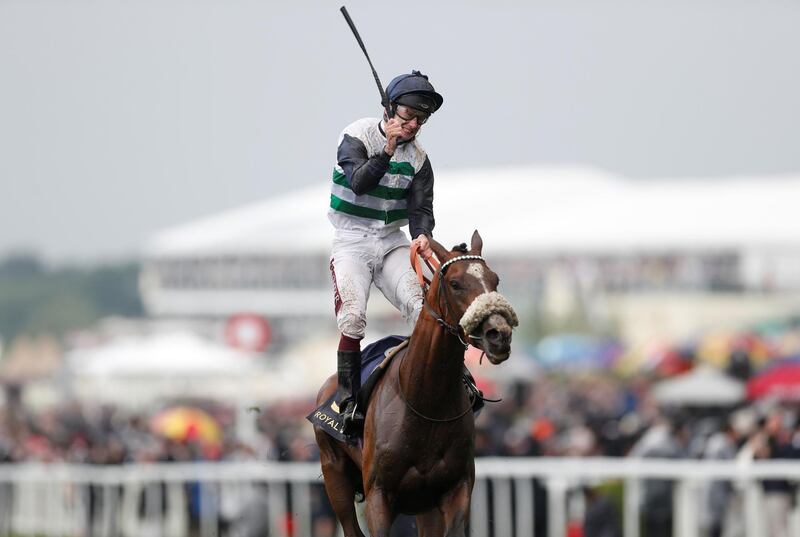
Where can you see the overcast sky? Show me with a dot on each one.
(121, 118)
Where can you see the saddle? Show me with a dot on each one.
(375, 360)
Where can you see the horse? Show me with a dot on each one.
(418, 438)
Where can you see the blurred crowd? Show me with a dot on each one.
(73, 433)
(554, 415)
(579, 415)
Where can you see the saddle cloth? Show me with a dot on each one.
(375, 358)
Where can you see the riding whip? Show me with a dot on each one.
(384, 98)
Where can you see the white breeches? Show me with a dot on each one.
(360, 259)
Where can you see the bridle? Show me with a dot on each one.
(454, 330)
(425, 283)
(434, 266)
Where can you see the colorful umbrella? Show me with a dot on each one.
(184, 423)
(781, 381)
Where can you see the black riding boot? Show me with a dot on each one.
(349, 377)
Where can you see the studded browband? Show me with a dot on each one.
(459, 258)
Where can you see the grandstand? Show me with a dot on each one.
(713, 242)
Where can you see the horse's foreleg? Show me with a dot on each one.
(379, 513)
(339, 471)
(431, 523)
(455, 510)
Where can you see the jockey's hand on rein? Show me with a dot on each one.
(424, 247)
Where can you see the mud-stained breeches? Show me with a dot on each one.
(360, 259)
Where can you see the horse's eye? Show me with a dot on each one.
(455, 286)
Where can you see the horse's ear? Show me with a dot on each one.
(477, 243)
(438, 249)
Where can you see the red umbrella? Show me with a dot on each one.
(779, 381)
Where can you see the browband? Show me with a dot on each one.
(459, 258)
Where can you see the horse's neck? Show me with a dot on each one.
(431, 372)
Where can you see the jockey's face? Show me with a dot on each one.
(411, 120)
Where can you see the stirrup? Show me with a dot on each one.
(352, 420)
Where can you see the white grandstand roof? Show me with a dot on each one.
(528, 210)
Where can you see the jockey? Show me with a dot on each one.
(382, 181)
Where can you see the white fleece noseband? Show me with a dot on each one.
(484, 305)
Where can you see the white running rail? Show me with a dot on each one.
(211, 499)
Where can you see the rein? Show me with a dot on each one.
(417, 412)
(425, 283)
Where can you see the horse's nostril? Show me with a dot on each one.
(493, 335)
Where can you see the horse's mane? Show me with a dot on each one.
(460, 248)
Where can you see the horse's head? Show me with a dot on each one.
(465, 292)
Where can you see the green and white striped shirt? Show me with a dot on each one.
(383, 206)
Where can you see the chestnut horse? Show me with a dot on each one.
(418, 448)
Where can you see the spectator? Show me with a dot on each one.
(664, 441)
(775, 442)
(601, 518)
(720, 446)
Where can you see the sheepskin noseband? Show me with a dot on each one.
(484, 305)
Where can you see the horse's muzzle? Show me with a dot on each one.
(496, 335)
